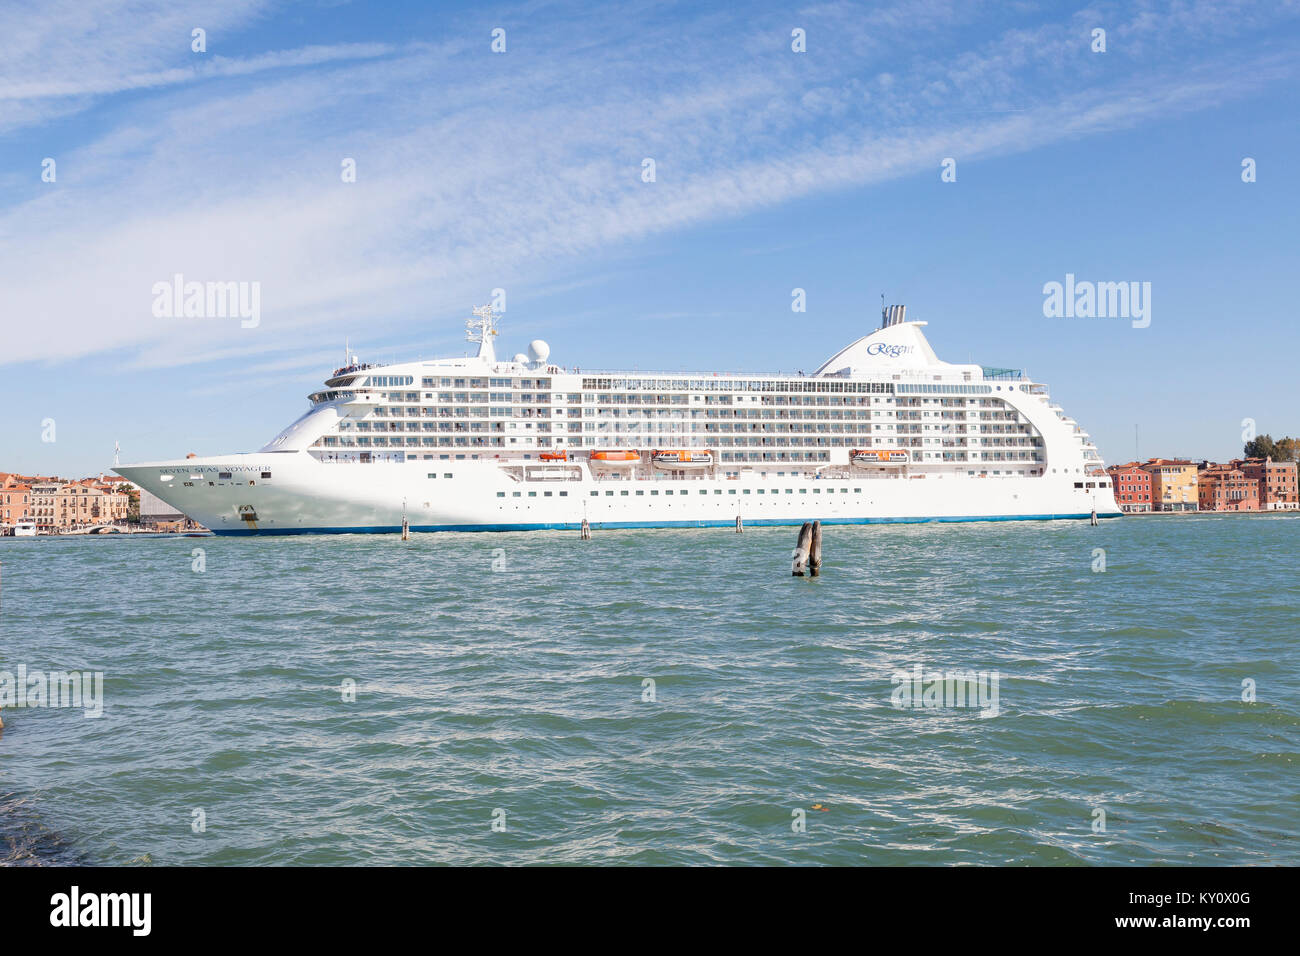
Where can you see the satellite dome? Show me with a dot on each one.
(521, 358)
(539, 350)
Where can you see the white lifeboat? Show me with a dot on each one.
(680, 459)
(880, 456)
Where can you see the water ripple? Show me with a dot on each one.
(357, 699)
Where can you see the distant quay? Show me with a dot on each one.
(48, 505)
(1181, 486)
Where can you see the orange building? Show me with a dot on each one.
(1174, 484)
(1226, 488)
(15, 501)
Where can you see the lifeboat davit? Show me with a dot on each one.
(554, 456)
(616, 457)
(880, 456)
(676, 460)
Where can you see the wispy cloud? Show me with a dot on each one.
(477, 170)
(215, 68)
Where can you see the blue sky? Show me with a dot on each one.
(522, 170)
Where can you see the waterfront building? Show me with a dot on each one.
(1278, 489)
(56, 505)
(1226, 488)
(44, 506)
(15, 503)
(80, 504)
(158, 515)
(1132, 487)
(1174, 484)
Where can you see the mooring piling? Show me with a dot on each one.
(801, 550)
(586, 530)
(740, 525)
(815, 551)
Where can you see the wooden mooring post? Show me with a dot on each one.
(740, 525)
(808, 552)
(586, 530)
(801, 550)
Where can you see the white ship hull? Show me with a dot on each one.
(307, 496)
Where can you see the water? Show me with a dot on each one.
(521, 690)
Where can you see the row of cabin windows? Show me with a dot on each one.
(735, 385)
(702, 491)
(427, 382)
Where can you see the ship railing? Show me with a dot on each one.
(1002, 374)
(354, 458)
(351, 368)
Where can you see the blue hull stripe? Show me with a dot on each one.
(598, 525)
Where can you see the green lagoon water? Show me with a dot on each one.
(512, 680)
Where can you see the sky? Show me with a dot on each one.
(953, 156)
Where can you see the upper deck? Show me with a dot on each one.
(887, 390)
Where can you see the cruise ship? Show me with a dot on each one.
(883, 431)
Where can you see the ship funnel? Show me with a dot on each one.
(892, 315)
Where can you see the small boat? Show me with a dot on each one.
(554, 456)
(680, 459)
(616, 457)
(25, 529)
(879, 456)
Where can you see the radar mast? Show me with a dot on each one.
(480, 330)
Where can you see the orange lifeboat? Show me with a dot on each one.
(554, 456)
(616, 456)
